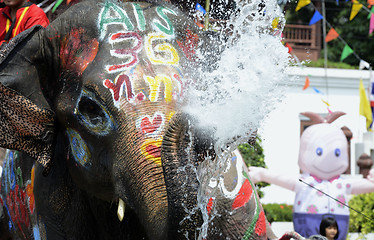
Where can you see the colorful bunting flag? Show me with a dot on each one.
(371, 26)
(371, 11)
(371, 95)
(356, 7)
(316, 17)
(200, 8)
(331, 35)
(346, 52)
(307, 83)
(325, 102)
(301, 4)
(364, 64)
(365, 109)
(370, 3)
(317, 91)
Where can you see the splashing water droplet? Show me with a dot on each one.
(240, 89)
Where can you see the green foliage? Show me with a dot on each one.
(254, 156)
(321, 63)
(363, 203)
(278, 212)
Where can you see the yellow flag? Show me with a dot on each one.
(356, 6)
(301, 4)
(365, 109)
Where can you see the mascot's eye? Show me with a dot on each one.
(319, 151)
(337, 152)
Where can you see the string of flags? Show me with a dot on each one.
(366, 107)
(333, 34)
(307, 85)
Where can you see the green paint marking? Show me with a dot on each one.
(19, 177)
(252, 226)
(139, 16)
(105, 20)
(169, 29)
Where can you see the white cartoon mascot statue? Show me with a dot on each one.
(323, 157)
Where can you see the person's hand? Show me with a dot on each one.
(256, 174)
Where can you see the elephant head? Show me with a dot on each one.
(96, 99)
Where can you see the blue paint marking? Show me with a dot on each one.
(36, 233)
(79, 148)
(235, 180)
(8, 172)
(10, 223)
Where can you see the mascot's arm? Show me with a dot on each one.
(362, 186)
(258, 174)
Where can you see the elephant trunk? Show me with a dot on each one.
(180, 160)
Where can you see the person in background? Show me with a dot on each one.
(329, 228)
(17, 16)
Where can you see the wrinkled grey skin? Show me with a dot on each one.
(91, 106)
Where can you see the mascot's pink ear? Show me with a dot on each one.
(333, 116)
(315, 118)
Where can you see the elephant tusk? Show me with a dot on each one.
(121, 209)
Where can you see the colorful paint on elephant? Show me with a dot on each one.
(79, 148)
(131, 55)
(162, 85)
(236, 189)
(76, 51)
(18, 199)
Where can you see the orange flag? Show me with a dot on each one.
(307, 83)
(331, 35)
(370, 2)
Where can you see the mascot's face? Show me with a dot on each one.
(323, 151)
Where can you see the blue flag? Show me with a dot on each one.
(316, 17)
(317, 91)
(200, 8)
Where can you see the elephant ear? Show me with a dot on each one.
(26, 120)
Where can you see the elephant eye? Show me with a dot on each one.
(94, 116)
(319, 151)
(337, 152)
(91, 110)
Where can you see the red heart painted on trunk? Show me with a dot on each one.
(153, 150)
(149, 127)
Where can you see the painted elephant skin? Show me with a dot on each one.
(91, 107)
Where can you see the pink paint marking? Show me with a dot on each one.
(123, 78)
(177, 77)
(260, 228)
(244, 195)
(189, 45)
(153, 150)
(122, 53)
(149, 127)
(209, 206)
(140, 96)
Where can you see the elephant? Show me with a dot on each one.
(91, 110)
